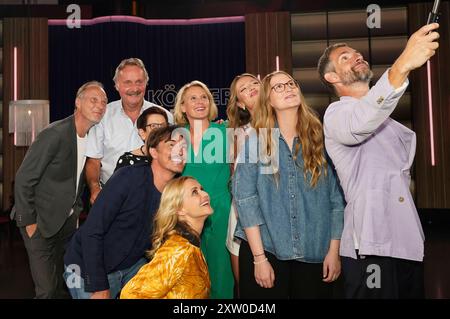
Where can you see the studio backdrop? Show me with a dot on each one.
(174, 52)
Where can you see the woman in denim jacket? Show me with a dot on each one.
(289, 201)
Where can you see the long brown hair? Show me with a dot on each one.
(309, 130)
(237, 117)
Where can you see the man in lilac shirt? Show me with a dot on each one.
(382, 241)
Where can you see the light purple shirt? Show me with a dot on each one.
(373, 154)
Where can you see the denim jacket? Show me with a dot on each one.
(296, 222)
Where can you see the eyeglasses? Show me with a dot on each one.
(281, 87)
(154, 126)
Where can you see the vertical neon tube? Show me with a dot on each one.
(15, 87)
(277, 63)
(15, 73)
(430, 113)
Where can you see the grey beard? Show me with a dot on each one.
(352, 76)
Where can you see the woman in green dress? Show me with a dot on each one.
(207, 162)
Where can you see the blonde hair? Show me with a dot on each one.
(166, 218)
(180, 117)
(309, 130)
(236, 116)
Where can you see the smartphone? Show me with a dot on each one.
(433, 16)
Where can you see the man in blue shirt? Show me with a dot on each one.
(109, 248)
(117, 132)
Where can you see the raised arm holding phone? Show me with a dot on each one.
(372, 154)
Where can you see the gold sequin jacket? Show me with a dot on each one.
(178, 270)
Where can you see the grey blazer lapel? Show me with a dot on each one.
(72, 132)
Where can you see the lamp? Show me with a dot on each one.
(27, 118)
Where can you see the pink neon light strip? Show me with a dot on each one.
(430, 113)
(277, 63)
(151, 21)
(15, 73)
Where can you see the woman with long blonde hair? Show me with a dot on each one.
(242, 104)
(290, 217)
(177, 269)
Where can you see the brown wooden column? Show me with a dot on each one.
(432, 182)
(268, 35)
(30, 36)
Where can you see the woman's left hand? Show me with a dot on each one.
(331, 267)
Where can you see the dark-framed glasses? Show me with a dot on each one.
(154, 126)
(281, 87)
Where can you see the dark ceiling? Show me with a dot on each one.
(209, 8)
(188, 9)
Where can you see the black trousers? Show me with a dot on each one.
(46, 257)
(293, 279)
(376, 277)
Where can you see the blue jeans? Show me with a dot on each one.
(116, 280)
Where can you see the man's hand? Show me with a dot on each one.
(93, 166)
(104, 294)
(95, 190)
(420, 47)
(30, 229)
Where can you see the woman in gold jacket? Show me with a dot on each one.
(177, 269)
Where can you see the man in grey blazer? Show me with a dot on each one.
(48, 186)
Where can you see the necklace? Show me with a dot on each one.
(142, 151)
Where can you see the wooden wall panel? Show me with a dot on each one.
(268, 35)
(30, 36)
(432, 182)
